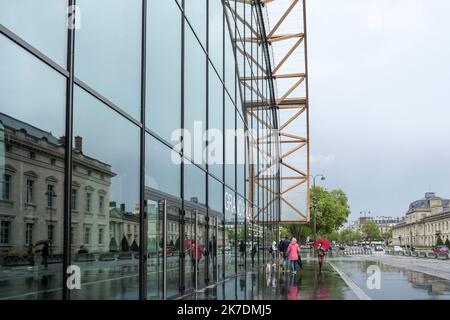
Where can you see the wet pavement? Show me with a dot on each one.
(343, 278)
(262, 284)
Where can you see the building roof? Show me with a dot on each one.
(425, 203)
(31, 130)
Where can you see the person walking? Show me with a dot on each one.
(321, 253)
(293, 252)
(284, 244)
(242, 253)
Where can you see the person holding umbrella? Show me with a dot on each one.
(322, 245)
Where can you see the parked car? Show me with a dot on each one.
(379, 248)
(398, 248)
(439, 249)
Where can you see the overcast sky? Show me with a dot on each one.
(380, 100)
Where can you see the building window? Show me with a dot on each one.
(53, 161)
(50, 195)
(87, 235)
(100, 235)
(29, 233)
(74, 199)
(4, 232)
(6, 187)
(32, 155)
(88, 202)
(50, 232)
(101, 204)
(30, 184)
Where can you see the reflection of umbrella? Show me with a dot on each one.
(325, 243)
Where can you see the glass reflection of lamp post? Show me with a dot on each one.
(322, 177)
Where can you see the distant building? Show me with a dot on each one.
(384, 223)
(426, 220)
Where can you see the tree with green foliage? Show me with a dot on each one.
(125, 247)
(113, 245)
(332, 212)
(387, 235)
(439, 241)
(447, 243)
(348, 236)
(370, 230)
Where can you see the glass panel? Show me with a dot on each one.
(111, 171)
(212, 250)
(240, 155)
(230, 65)
(202, 245)
(173, 255)
(162, 167)
(155, 265)
(189, 240)
(194, 184)
(195, 97)
(230, 232)
(220, 248)
(40, 23)
(108, 50)
(241, 236)
(31, 158)
(196, 14)
(215, 200)
(215, 130)
(230, 113)
(163, 68)
(216, 26)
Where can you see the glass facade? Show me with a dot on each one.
(138, 154)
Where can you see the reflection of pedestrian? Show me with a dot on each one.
(213, 250)
(242, 252)
(254, 251)
(32, 253)
(196, 252)
(284, 244)
(45, 254)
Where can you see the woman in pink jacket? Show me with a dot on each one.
(292, 252)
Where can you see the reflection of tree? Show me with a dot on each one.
(125, 247)
(134, 246)
(113, 245)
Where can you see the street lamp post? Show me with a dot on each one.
(322, 177)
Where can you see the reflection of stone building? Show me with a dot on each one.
(122, 224)
(425, 221)
(31, 192)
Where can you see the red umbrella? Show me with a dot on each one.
(325, 243)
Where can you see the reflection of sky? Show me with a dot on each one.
(108, 46)
(110, 139)
(30, 91)
(41, 23)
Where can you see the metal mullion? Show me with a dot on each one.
(206, 144)
(143, 207)
(182, 260)
(68, 158)
(223, 141)
(35, 52)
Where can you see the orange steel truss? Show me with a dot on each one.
(286, 36)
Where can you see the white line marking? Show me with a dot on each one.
(352, 285)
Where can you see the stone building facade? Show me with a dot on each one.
(426, 220)
(31, 194)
